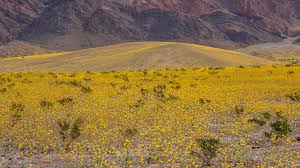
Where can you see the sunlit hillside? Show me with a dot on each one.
(284, 51)
(129, 56)
(194, 117)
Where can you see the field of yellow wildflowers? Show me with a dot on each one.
(194, 117)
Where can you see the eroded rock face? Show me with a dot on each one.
(74, 24)
(15, 15)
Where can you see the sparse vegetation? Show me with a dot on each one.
(209, 149)
(65, 101)
(46, 104)
(294, 96)
(17, 109)
(69, 132)
(86, 89)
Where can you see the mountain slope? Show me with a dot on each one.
(77, 24)
(287, 50)
(138, 55)
(16, 15)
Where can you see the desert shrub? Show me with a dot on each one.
(215, 68)
(257, 121)
(159, 91)
(139, 103)
(76, 128)
(87, 79)
(145, 72)
(75, 83)
(125, 87)
(69, 132)
(193, 85)
(290, 72)
(46, 104)
(86, 89)
(175, 84)
(280, 127)
(144, 91)
(124, 77)
(66, 101)
(11, 85)
(64, 127)
(209, 149)
(130, 132)
(72, 75)
(203, 101)
(127, 160)
(26, 80)
(2, 90)
(289, 65)
(160, 94)
(267, 115)
(294, 96)
(158, 74)
(89, 72)
(239, 109)
(17, 109)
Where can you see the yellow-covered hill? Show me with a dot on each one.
(134, 55)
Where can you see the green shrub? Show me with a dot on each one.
(76, 128)
(294, 96)
(17, 109)
(204, 101)
(130, 132)
(69, 132)
(159, 91)
(239, 109)
(64, 127)
(281, 126)
(144, 91)
(160, 94)
(87, 79)
(209, 149)
(127, 160)
(267, 115)
(86, 89)
(290, 72)
(66, 101)
(139, 103)
(46, 104)
(257, 121)
(124, 77)
(75, 83)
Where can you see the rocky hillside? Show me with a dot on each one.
(75, 24)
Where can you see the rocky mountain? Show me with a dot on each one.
(75, 24)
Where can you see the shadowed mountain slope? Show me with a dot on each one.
(70, 25)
